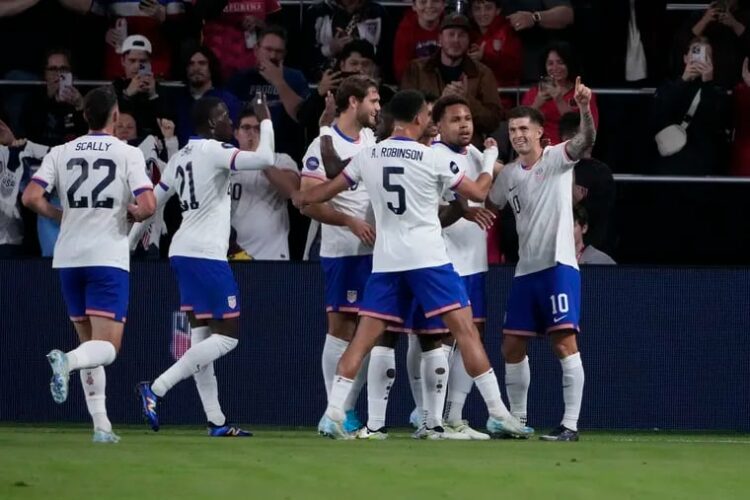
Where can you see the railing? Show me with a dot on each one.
(407, 3)
(676, 179)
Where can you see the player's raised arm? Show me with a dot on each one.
(263, 156)
(43, 182)
(586, 136)
(477, 190)
(322, 192)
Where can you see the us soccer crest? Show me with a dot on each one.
(232, 301)
(351, 296)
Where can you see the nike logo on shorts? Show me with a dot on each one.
(560, 318)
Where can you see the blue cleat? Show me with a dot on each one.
(509, 426)
(416, 417)
(148, 404)
(227, 430)
(320, 425)
(58, 385)
(351, 422)
(105, 437)
(334, 429)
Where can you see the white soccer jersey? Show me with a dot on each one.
(465, 241)
(96, 176)
(337, 241)
(199, 174)
(542, 202)
(15, 167)
(406, 181)
(259, 212)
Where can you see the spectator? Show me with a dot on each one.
(704, 153)
(137, 92)
(538, 23)
(285, 89)
(741, 145)
(452, 71)
(156, 20)
(593, 188)
(54, 115)
(586, 253)
(554, 94)
(417, 34)
(201, 78)
(724, 25)
(233, 35)
(259, 198)
(330, 24)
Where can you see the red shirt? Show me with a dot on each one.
(412, 42)
(552, 114)
(503, 53)
(741, 146)
(226, 37)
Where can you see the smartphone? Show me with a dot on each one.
(145, 69)
(698, 53)
(546, 83)
(66, 81)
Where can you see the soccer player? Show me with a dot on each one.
(406, 180)
(546, 293)
(347, 232)
(199, 174)
(97, 175)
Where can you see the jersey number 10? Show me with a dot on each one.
(193, 204)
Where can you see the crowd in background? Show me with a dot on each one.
(696, 123)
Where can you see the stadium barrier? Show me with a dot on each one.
(662, 348)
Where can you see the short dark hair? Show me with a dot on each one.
(57, 51)
(430, 98)
(438, 109)
(580, 215)
(570, 122)
(532, 114)
(98, 105)
(202, 110)
(406, 105)
(361, 47)
(356, 86)
(213, 62)
(247, 112)
(273, 29)
(565, 51)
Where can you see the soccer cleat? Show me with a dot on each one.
(148, 404)
(333, 429)
(105, 437)
(509, 426)
(437, 434)
(320, 425)
(561, 433)
(227, 430)
(464, 429)
(378, 435)
(415, 418)
(58, 385)
(351, 422)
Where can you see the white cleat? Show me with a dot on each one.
(436, 434)
(415, 418)
(333, 429)
(378, 435)
(508, 426)
(105, 437)
(462, 428)
(58, 385)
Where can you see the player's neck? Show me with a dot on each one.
(529, 159)
(104, 131)
(405, 131)
(349, 126)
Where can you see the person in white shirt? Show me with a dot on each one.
(259, 209)
(199, 175)
(546, 294)
(406, 181)
(97, 176)
(347, 227)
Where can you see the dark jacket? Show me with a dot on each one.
(49, 122)
(144, 109)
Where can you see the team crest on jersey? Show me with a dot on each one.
(351, 296)
(539, 174)
(312, 163)
(454, 167)
(232, 301)
(7, 185)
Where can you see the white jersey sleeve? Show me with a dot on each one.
(499, 190)
(46, 176)
(285, 162)
(449, 172)
(353, 171)
(312, 164)
(138, 179)
(558, 155)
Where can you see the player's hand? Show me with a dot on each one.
(490, 143)
(135, 214)
(582, 94)
(260, 106)
(167, 127)
(362, 230)
(329, 113)
(481, 216)
(298, 199)
(6, 135)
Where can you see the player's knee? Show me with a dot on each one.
(513, 349)
(565, 347)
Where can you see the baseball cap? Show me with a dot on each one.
(455, 21)
(136, 42)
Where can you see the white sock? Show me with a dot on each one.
(205, 381)
(94, 383)
(434, 382)
(490, 391)
(459, 386)
(448, 351)
(572, 381)
(340, 390)
(91, 354)
(358, 383)
(333, 348)
(517, 380)
(413, 362)
(380, 377)
(193, 361)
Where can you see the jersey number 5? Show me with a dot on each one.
(193, 204)
(400, 207)
(83, 201)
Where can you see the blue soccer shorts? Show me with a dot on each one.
(95, 291)
(207, 287)
(345, 278)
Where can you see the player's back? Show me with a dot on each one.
(96, 176)
(199, 174)
(405, 181)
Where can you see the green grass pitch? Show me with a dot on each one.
(50, 462)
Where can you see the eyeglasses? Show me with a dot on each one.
(59, 69)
